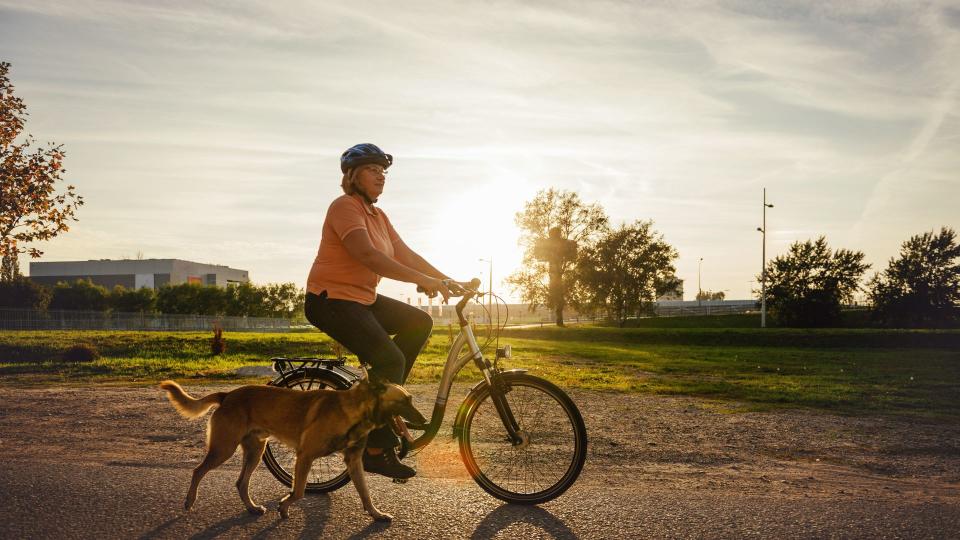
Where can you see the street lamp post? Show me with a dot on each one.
(490, 290)
(699, 290)
(763, 270)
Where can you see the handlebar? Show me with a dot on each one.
(466, 289)
(458, 288)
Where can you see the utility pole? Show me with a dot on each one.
(763, 271)
(699, 289)
(490, 290)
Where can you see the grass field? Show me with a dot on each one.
(855, 371)
(851, 318)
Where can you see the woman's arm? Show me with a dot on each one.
(359, 247)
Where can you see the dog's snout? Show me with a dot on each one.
(408, 411)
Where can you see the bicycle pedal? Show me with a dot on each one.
(399, 480)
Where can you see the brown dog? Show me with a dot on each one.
(315, 423)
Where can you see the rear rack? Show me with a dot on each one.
(285, 365)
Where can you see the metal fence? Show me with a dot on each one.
(707, 309)
(26, 319)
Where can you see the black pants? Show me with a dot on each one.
(366, 330)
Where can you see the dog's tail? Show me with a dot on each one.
(187, 405)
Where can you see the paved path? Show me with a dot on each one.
(132, 500)
(115, 463)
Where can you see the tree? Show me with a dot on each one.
(180, 299)
(142, 300)
(82, 294)
(807, 286)
(246, 300)
(9, 269)
(30, 208)
(706, 295)
(922, 286)
(210, 300)
(627, 269)
(283, 300)
(23, 293)
(553, 225)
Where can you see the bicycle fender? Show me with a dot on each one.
(503, 373)
(472, 396)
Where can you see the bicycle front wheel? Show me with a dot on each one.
(553, 444)
(328, 473)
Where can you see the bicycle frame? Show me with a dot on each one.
(453, 366)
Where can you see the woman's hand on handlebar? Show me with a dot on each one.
(433, 286)
(452, 288)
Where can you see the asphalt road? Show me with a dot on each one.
(78, 465)
(144, 501)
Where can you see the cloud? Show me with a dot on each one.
(232, 118)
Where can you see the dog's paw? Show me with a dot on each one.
(380, 516)
(257, 510)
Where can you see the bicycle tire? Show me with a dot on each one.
(328, 473)
(556, 447)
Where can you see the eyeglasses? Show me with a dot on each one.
(377, 169)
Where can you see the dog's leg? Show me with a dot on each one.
(353, 456)
(253, 447)
(221, 444)
(302, 470)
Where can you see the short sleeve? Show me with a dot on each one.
(394, 237)
(345, 216)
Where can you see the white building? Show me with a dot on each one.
(136, 274)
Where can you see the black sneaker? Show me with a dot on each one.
(387, 464)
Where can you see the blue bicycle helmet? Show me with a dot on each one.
(364, 154)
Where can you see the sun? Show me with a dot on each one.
(464, 237)
(485, 230)
(464, 234)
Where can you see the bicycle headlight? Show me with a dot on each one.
(504, 352)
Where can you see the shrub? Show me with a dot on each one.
(82, 294)
(142, 300)
(218, 345)
(81, 352)
(24, 294)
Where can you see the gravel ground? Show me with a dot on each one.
(96, 462)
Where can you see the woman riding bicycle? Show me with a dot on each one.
(358, 246)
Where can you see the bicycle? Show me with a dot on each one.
(522, 438)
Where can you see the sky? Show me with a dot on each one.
(211, 131)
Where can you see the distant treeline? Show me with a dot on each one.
(280, 300)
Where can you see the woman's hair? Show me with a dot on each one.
(347, 183)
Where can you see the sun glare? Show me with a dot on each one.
(464, 238)
(489, 231)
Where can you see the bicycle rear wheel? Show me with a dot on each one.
(554, 446)
(328, 473)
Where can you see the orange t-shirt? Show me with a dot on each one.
(334, 269)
